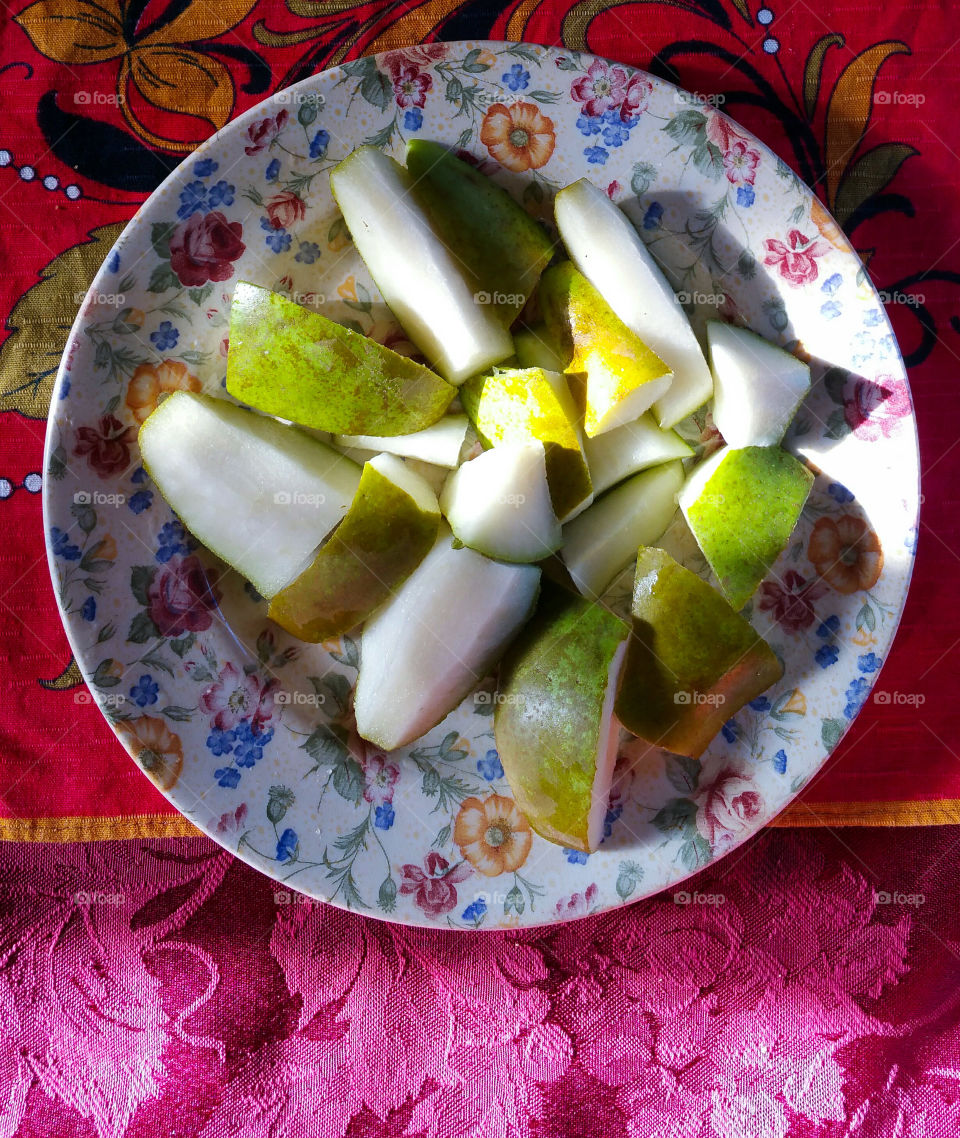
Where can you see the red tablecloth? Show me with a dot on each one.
(192, 1002)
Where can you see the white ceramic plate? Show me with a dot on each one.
(249, 732)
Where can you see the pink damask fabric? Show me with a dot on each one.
(806, 987)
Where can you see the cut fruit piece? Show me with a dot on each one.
(692, 662)
(439, 445)
(391, 526)
(536, 348)
(513, 406)
(482, 226)
(289, 361)
(603, 541)
(608, 251)
(742, 506)
(436, 639)
(618, 374)
(499, 503)
(426, 287)
(260, 495)
(626, 450)
(757, 386)
(554, 725)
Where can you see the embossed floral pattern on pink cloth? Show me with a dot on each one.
(805, 987)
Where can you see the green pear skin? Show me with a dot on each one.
(692, 661)
(390, 527)
(481, 224)
(519, 405)
(744, 514)
(289, 361)
(553, 723)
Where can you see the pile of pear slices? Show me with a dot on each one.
(426, 503)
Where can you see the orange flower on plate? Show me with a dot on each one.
(519, 137)
(150, 381)
(155, 747)
(846, 553)
(492, 834)
(348, 290)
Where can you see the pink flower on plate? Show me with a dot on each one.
(579, 904)
(727, 807)
(740, 164)
(603, 88)
(232, 820)
(181, 597)
(411, 86)
(381, 778)
(878, 408)
(235, 696)
(636, 98)
(434, 887)
(262, 133)
(422, 55)
(791, 600)
(612, 190)
(795, 261)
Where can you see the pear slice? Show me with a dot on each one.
(757, 386)
(499, 503)
(692, 663)
(482, 226)
(536, 348)
(391, 526)
(617, 454)
(608, 251)
(289, 361)
(619, 375)
(439, 444)
(259, 494)
(426, 287)
(603, 541)
(436, 639)
(742, 506)
(513, 406)
(554, 724)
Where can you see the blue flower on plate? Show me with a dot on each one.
(220, 742)
(730, 730)
(413, 119)
(590, 124)
(383, 816)
(609, 819)
(172, 540)
(873, 318)
(856, 694)
(831, 284)
(138, 476)
(227, 777)
(89, 609)
(839, 493)
(910, 541)
(272, 171)
(746, 196)
(249, 743)
(220, 194)
(780, 762)
(142, 500)
(165, 337)
(288, 846)
(517, 79)
(65, 388)
(869, 662)
(761, 703)
(205, 167)
(829, 627)
(596, 155)
(830, 310)
(826, 655)
(490, 766)
(653, 216)
(62, 546)
(144, 691)
(113, 264)
(319, 144)
(616, 133)
(308, 252)
(474, 911)
(193, 199)
(576, 857)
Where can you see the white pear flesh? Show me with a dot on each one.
(757, 386)
(440, 444)
(615, 455)
(499, 504)
(418, 277)
(605, 247)
(603, 541)
(259, 494)
(435, 640)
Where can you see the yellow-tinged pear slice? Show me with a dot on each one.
(390, 527)
(440, 444)
(554, 724)
(626, 450)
